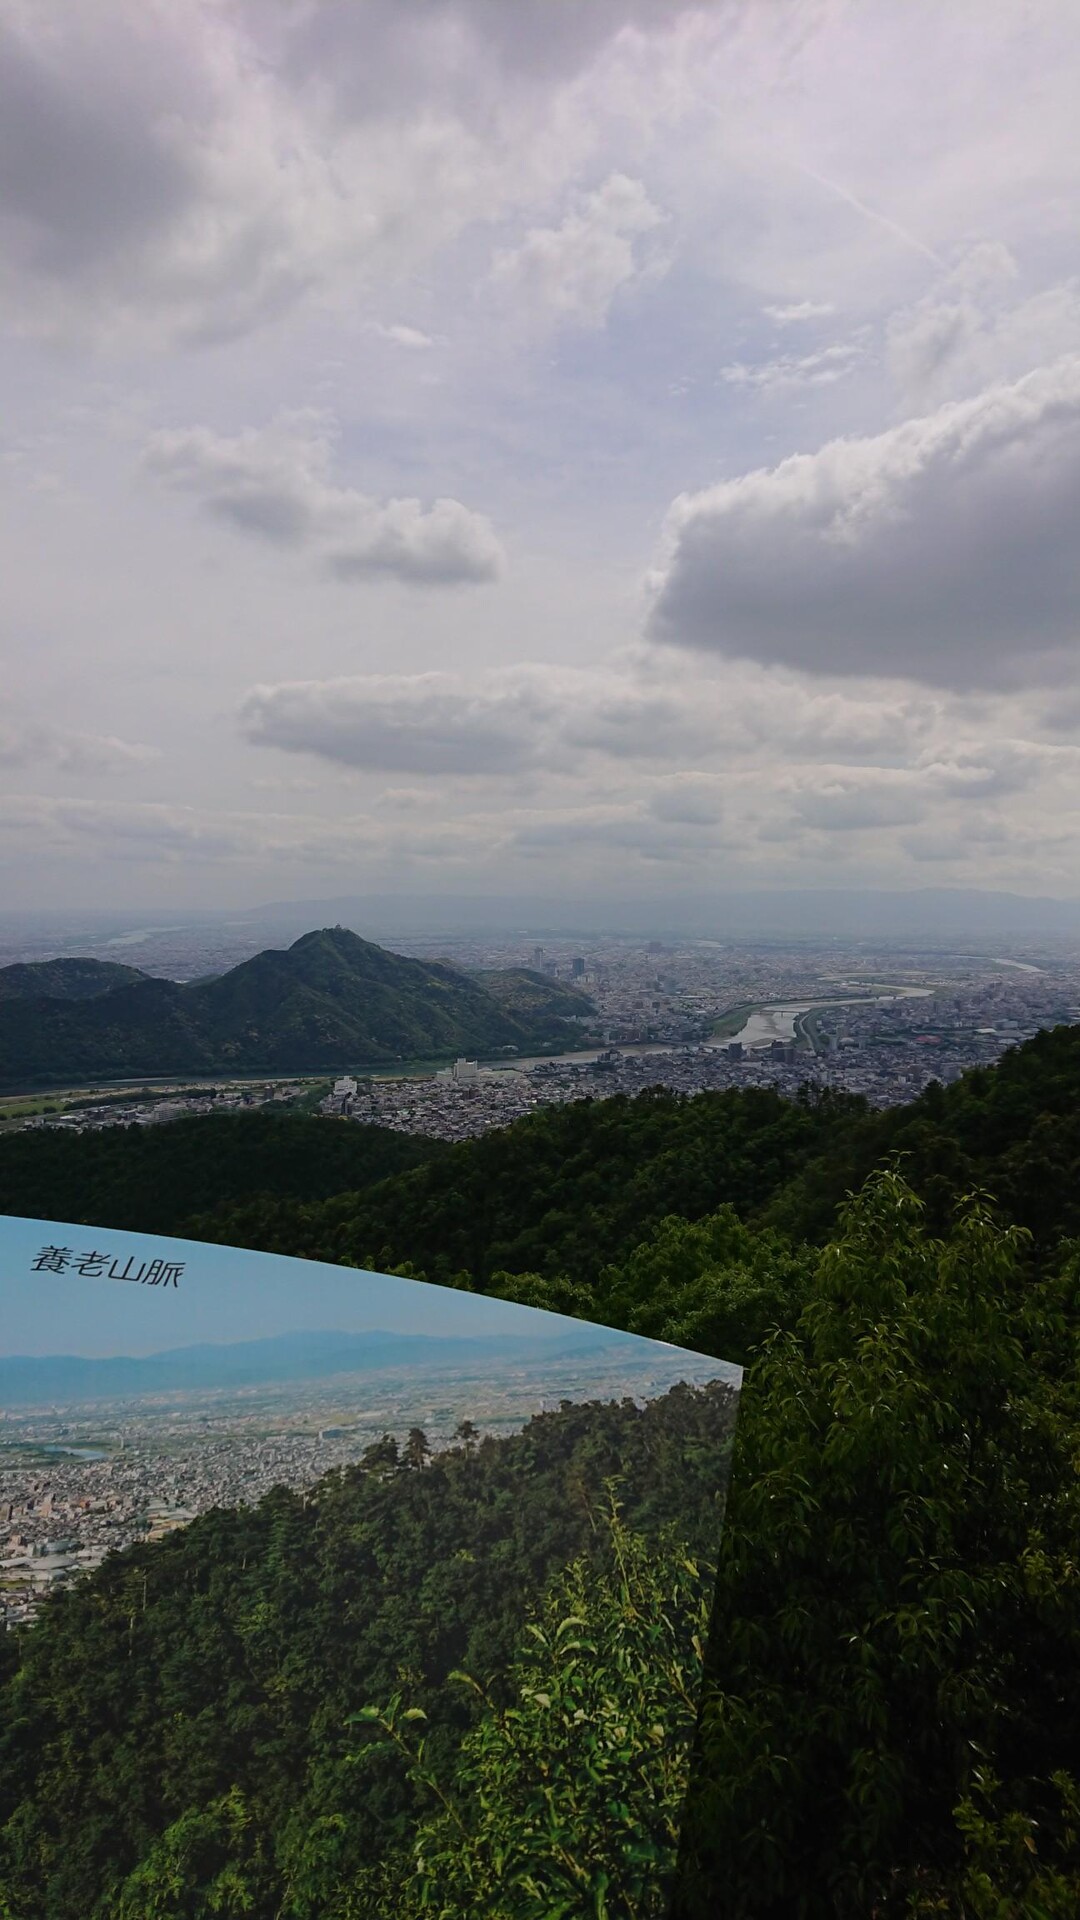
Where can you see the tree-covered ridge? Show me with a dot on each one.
(1013, 1128)
(570, 1189)
(206, 1685)
(153, 1179)
(329, 1000)
(529, 994)
(74, 979)
(564, 1190)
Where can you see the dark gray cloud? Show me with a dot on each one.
(373, 52)
(944, 549)
(189, 172)
(82, 171)
(136, 154)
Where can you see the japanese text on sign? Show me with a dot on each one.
(103, 1266)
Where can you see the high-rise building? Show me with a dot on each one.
(577, 967)
(538, 958)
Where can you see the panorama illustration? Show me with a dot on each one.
(327, 1593)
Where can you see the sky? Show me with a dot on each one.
(608, 446)
(223, 1294)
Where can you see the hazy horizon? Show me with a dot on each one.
(802, 912)
(585, 1328)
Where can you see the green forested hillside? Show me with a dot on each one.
(153, 1179)
(892, 1721)
(564, 1190)
(64, 979)
(528, 994)
(1014, 1128)
(571, 1188)
(187, 1713)
(329, 1000)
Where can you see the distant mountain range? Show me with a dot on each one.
(31, 1380)
(329, 1001)
(910, 914)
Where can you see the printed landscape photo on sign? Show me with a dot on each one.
(331, 1594)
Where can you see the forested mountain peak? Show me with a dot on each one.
(330, 1000)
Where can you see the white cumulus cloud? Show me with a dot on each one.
(276, 483)
(821, 369)
(574, 271)
(799, 310)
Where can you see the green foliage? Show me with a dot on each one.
(150, 1179)
(175, 1727)
(567, 1190)
(899, 1594)
(207, 1862)
(570, 1190)
(1013, 1129)
(565, 1803)
(535, 996)
(711, 1285)
(1002, 1876)
(891, 1724)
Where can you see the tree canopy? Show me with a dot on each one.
(891, 1724)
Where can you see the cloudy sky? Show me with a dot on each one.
(608, 446)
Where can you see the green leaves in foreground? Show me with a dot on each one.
(565, 1804)
(892, 1715)
(891, 1727)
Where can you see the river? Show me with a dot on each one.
(777, 1021)
(74, 1453)
(771, 1021)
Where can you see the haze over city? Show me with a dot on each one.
(623, 452)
